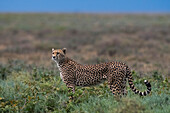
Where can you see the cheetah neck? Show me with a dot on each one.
(63, 63)
(67, 61)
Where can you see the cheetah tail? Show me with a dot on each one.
(130, 80)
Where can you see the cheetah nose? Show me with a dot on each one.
(53, 57)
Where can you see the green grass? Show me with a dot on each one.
(28, 88)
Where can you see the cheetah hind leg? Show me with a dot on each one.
(114, 85)
(123, 87)
(116, 89)
(117, 86)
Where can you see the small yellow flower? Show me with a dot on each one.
(1, 98)
(14, 105)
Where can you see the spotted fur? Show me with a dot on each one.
(74, 74)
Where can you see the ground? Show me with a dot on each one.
(29, 78)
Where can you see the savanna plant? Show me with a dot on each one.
(28, 88)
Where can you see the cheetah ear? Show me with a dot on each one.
(52, 49)
(64, 50)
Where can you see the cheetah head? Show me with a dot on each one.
(58, 54)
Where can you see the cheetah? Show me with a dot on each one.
(75, 74)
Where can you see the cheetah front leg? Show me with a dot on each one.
(71, 88)
(69, 81)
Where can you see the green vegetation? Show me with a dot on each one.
(32, 83)
(27, 88)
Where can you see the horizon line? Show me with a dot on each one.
(87, 12)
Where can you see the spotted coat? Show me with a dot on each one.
(74, 74)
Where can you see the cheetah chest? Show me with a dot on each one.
(61, 76)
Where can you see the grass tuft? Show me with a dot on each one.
(41, 90)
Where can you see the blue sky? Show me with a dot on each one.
(99, 6)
